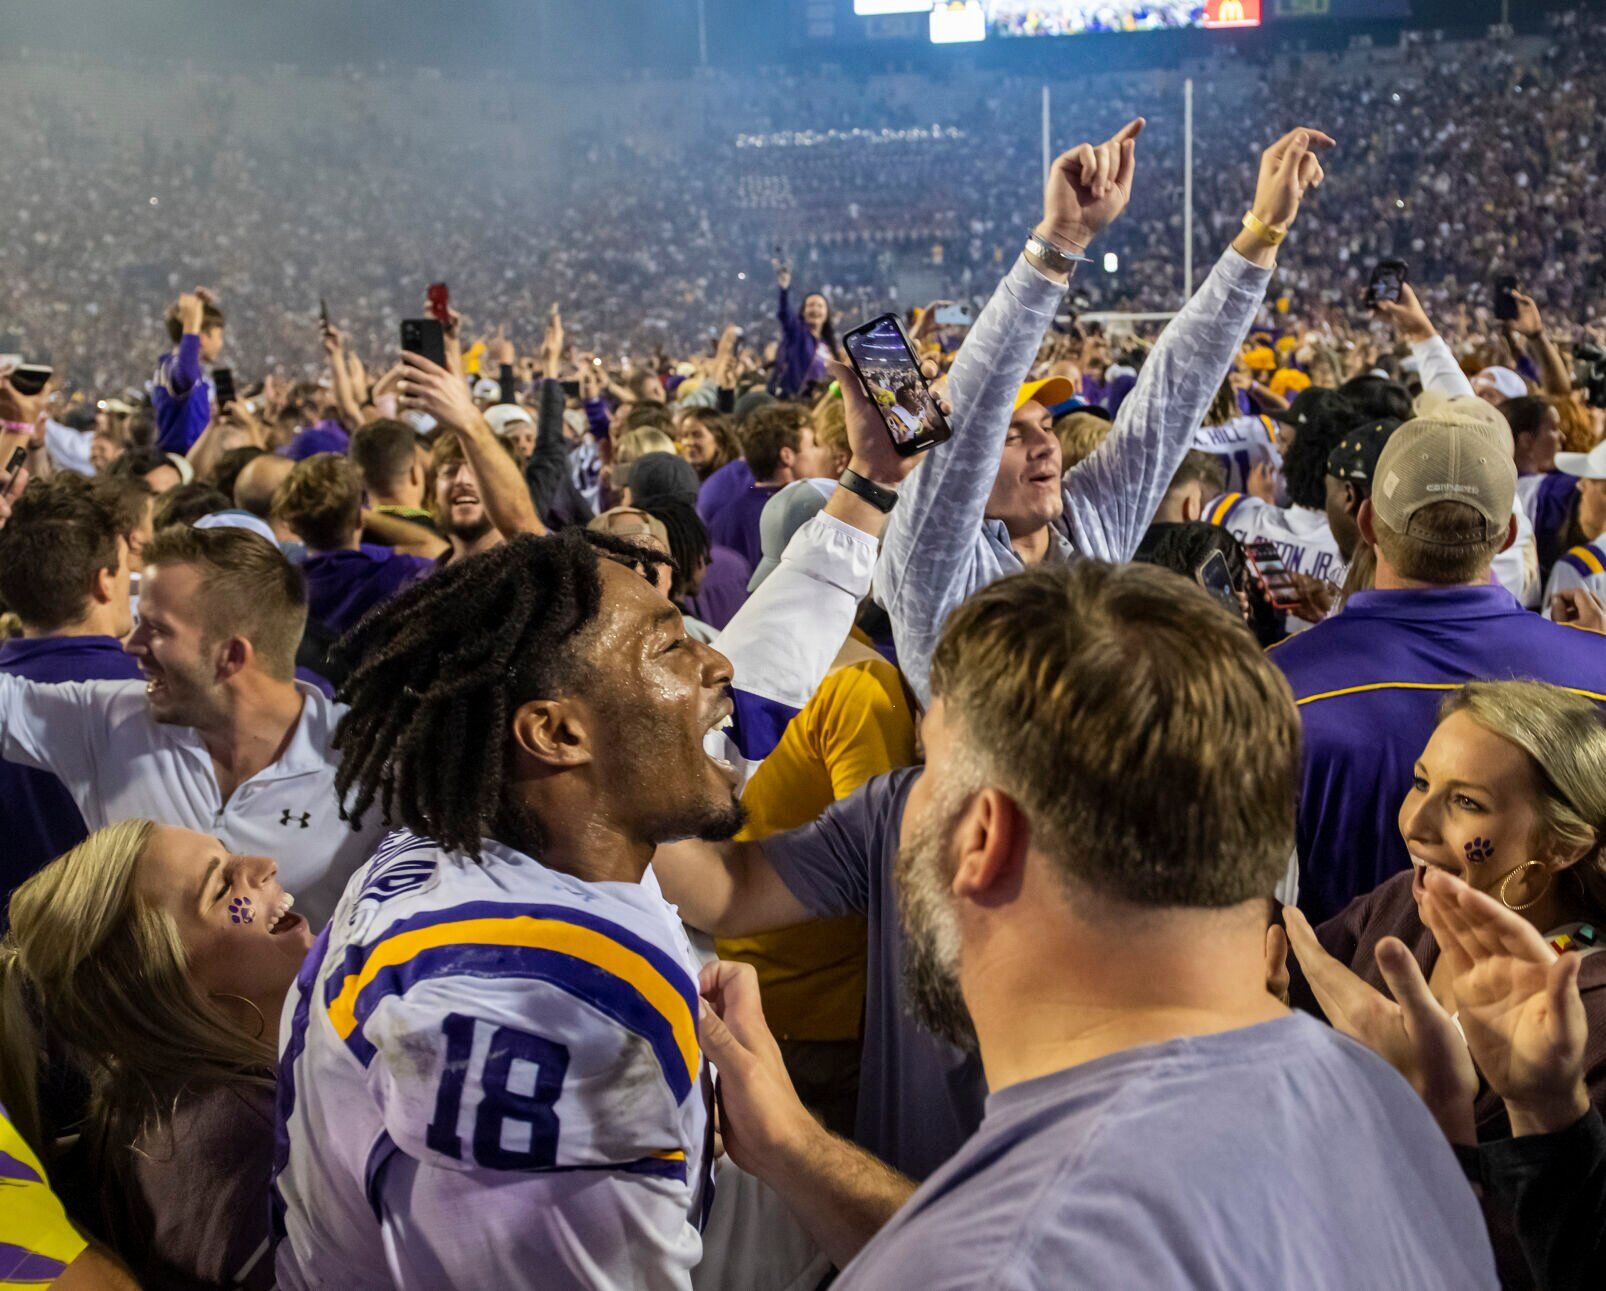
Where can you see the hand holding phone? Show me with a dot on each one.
(1273, 576)
(953, 316)
(1388, 280)
(895, 384)
(223, 381)
(440, 304)
(424, 336)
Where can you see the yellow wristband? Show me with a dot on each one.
(1270, 234)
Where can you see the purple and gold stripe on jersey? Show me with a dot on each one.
(1222, 508)
(1586, 560)
(615, 971)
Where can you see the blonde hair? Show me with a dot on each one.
(641, 441)
(104, 975)
(830, 421)
(1080, 434)
(1564, 736)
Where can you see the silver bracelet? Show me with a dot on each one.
(1056, 259)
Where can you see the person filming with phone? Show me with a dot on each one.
(991, 501)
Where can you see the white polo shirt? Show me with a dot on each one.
(99, 738)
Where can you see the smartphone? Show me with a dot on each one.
(223, 380)
(19, 455)
(30, 378)
(571, 389)
(424, 336)
(1388, 277)
(323, 313)
(1505, 300)
(953, 316)
(1216, 578)
(440, 304)
(885, 361)
(1272, 574)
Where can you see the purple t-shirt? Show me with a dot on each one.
(38, 815)
(920, 1098)
(736, 526)
(721, 488)
(1277, 1155)
(342, 586)
(1369, 682)
(724, 588)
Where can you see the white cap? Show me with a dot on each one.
(1584, 466)
(485, 388)
(235, 519)
(1503, 381)
(504, 416)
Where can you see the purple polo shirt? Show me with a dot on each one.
(723, 590)
(1369, 682)
(722, 488)
(736, 526)
(342, 586)
(38, 817)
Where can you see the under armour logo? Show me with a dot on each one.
(305, 818)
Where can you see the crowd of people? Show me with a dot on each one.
(529, 815)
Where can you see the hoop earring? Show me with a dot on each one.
(1506, 882)
(262, 1022)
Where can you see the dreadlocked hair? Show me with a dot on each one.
(441, 669)
(689, 543)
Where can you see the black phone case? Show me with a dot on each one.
(423, 336)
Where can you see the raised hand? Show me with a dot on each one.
(783, 274)
(1287, 169)
(1410, 320)
(1414, 1035)
(442, 394)
(1517, 1001)
(552, 344)
(500, 350)
(1088, 187)
(191, 309)
(868, 441)
(1527, 322)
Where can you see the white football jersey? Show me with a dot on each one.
(1241, 444)
(1581, 567)
(490, 1075)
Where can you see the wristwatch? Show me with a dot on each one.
(883, 500)
(1055, 259)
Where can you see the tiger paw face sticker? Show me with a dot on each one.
(241, 910)
(1479, 850)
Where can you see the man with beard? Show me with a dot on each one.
(219, 737)
(1085, 878)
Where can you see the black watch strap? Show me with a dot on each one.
(883, 500)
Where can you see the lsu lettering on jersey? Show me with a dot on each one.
(490, 1076)
(1581, 567)
(1241, 444)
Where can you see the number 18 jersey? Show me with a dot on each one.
(499, 1040)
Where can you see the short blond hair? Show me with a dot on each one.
(248, 589)
(321, 501)
(1079, 434)
(641, 441)
(830, 421)
(1152, 746)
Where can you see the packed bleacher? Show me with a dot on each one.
(519, 768)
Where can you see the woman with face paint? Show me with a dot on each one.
(1509, 796)
(155, 964)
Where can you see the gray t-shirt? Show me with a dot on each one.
(1279, 1155)
(919, 1097)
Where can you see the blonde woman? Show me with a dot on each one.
(1509, 796)
(158, 963)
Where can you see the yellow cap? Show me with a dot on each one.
(1289, 380)
(1048, 392)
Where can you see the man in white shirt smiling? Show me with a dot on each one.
(220, 737)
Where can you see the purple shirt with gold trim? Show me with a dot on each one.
(1369, 683)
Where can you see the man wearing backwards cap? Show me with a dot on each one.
(1368, 682)
(990, 501)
